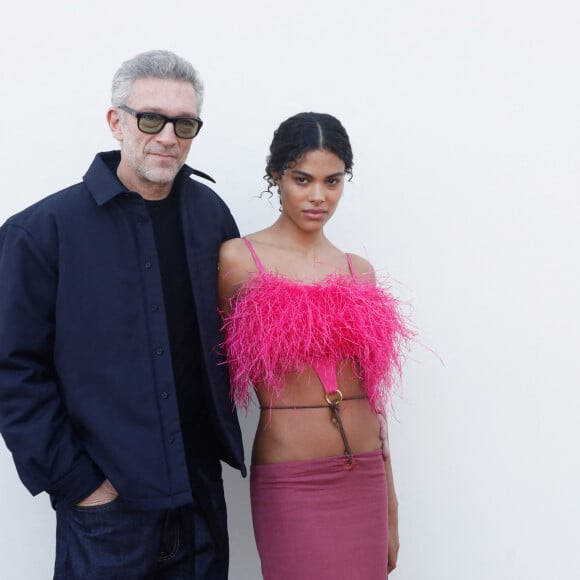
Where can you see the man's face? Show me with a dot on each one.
(149, 163)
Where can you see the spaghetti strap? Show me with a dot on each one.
(350, 266)
(254, 255)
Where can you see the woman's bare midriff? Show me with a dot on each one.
(298, 434)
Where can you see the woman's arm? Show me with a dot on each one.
(393, 517)
(392, 502)
(235, 264)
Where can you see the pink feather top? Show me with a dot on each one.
(276, 325)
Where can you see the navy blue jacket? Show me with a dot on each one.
(86, 382)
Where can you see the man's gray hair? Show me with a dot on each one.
(155, 64)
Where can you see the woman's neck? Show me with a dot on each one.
(299, 240)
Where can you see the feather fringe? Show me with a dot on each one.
(276, 325)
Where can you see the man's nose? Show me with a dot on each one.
(167, 133)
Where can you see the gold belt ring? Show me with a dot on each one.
(333, 402)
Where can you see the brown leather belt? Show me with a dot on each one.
(333, 401)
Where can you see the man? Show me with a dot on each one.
(112, 398)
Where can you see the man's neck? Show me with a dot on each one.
(146, 189)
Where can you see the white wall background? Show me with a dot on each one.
(465, 122)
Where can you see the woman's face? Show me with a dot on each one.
(310, 190)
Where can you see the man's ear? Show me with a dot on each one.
(114, 122)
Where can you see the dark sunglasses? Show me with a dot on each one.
(152, 123)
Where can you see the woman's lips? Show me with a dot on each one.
(315, 214)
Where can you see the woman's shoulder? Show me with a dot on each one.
(236, 266)
(238, 252)
(361, 267)
(233, 250)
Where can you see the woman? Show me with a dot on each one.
(321, 344)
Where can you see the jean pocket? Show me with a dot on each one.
(98, 507)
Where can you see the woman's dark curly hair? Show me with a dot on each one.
(302, 133)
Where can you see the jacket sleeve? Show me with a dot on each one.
(33, 417)
(232, 228)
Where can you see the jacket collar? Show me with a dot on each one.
(102, 181)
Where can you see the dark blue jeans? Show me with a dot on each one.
(113, 542)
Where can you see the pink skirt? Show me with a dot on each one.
(315, 519)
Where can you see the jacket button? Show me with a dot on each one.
(147, 264)
(164, 395)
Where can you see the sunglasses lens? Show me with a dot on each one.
(151, 123)
(186, 128)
